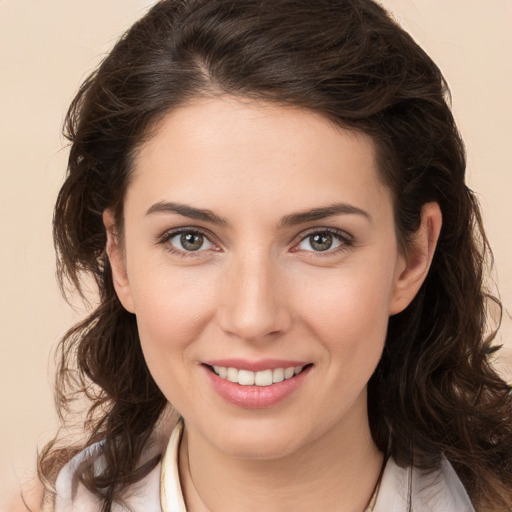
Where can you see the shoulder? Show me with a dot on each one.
(73, 496)
(404, 489)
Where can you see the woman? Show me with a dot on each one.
(271, 199)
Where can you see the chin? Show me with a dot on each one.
(260, 440)
(268, 449)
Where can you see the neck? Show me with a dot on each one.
(339, 468)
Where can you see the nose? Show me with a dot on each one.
(253, 303)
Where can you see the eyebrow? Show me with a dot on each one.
(293, 219)
(187, 211)
(323, 213)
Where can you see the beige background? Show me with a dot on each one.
(48, 46)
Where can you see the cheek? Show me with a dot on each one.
(171, 299)
(347, 316)
(172, 309)
(349, 313)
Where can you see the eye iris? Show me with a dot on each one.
(192, 241)
(321, 241)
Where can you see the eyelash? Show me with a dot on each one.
(346, 241)
(169, 235)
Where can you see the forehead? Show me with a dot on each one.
(225, 150)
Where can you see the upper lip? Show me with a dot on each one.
(255, 365)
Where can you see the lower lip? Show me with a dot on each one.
(255, 397)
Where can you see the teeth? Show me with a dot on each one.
(245, 377)
(278, 375)
(289, 372)
(221, 371)
(232, 375)
(261, 378)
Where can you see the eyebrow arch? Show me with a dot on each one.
(187, 211)
(288, 220)
(323, 213)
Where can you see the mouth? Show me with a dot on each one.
(256, 384)
(262, 378)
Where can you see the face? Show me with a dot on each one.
(260, 258)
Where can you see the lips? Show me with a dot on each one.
(256, 384)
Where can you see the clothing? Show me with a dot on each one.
(160, 490)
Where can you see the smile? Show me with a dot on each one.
(259, 378)
(256, 385)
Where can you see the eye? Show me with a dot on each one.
(189, 241)
(322, 241)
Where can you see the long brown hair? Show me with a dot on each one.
(434, 391)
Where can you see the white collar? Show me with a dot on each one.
(439, 490)
(171, 497)
(435, 491)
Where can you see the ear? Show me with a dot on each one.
(413, 266)
(117, 260)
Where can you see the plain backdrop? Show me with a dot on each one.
(48, 47)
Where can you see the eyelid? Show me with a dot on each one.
(171, 233)
(346, 238)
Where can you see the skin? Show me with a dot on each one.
(257, 289)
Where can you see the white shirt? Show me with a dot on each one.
(160, 491)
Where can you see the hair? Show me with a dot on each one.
(434, 391)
